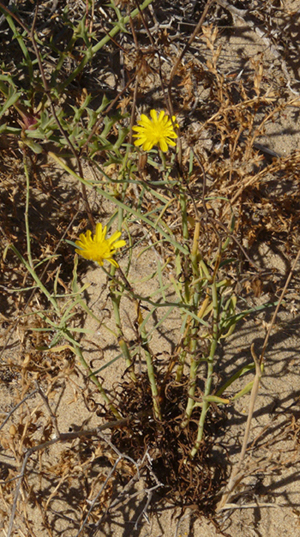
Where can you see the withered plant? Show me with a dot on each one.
(126, 137)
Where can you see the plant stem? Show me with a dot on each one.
(193, 328)
(27, 209)
(93, 377)
(36, 279)
(138, 214)
(163, 160)
(210, 368)
(89, 53)
(185, 231)
(149, 362)
(180, 270)
(179, 371)
(121, 339)
(116, 299)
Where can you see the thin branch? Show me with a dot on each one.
(65, 437)
(213, 221)
(112, 471)
(185, 49)
(261, 359)
(236, 475)
(98, 495)
(17, 406)
(105, 112)
(62, 131)
(52, 416)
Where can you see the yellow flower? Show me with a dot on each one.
(98, 247)
(156, 131)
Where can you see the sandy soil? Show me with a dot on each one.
(266, 502)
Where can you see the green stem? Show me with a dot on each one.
(119, 26)
(191, 392)
(116, 299)
(121, 339)
(190, 338)
(18, 36)
(185, 231)
(185, 287)
(199, 269)
(27, 210)
(93, 377)
(210, 369)
(180, 367)
(194, 363)
(138, 215)
(36, 279)
(163, 160)
(150, 367)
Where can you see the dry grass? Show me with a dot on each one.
(63, 167)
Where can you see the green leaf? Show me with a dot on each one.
(11, 100)
(234, 377)
(36, 148)
(216, 399)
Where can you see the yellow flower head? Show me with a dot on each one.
(97, 247)
(156, 131)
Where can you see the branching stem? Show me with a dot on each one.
(210, 369)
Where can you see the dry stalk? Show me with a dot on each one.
(63, 437)
(237, 475)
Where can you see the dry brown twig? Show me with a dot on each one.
(63, 437)
(125, 496)
(237, 475)
(175, 67)
(31, 34)
(242, 14)
(136, 477)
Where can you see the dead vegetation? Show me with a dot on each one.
(235, 94)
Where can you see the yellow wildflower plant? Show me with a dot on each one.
(159, 130)
(97, 247)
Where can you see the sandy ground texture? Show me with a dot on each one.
(83, 484)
